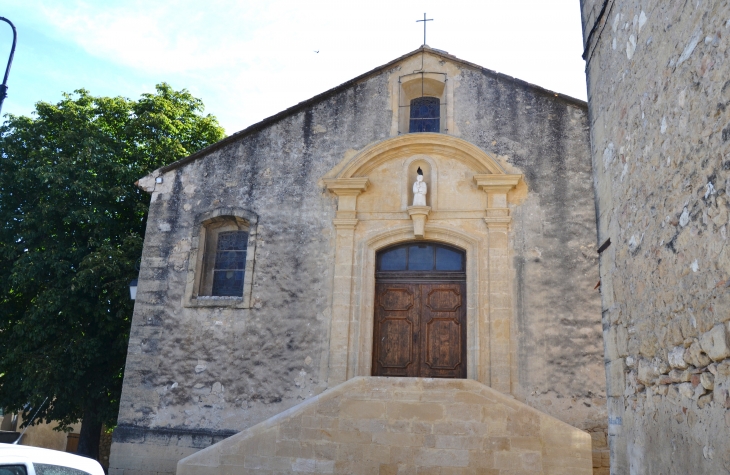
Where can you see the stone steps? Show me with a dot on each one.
(371, 425)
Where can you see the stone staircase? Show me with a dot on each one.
(371, 425)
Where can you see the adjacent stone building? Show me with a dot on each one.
(287, 265)
(659, 97)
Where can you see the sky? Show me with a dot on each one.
(248, 60)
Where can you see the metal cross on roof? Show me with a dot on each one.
(424, 26)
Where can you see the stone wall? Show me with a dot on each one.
(196, 375)
(556, 326)
(658, 93)
(403, 425)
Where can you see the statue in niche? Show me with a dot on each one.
(419, 190)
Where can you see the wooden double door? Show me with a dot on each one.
(420, 329)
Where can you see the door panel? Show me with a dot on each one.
(395, 338)
(443, 325)
(420, 330)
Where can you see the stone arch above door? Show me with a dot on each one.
(355, 174)
(367, 159)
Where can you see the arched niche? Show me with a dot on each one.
(410, 172)
(417, 85)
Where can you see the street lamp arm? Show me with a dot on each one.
(12, 49)
(4, 85)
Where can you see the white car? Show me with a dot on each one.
(25, 460)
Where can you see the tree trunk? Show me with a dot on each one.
(90, 436)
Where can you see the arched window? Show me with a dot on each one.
(229, 264)
(425, 114)
(220, 268)
(224, 257)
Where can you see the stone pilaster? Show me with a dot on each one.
(499, 295)
(347, 190)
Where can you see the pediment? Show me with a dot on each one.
(456, 172)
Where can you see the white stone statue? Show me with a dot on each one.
(419, 190)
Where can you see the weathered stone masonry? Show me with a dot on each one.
(658, 94)
(198, 374)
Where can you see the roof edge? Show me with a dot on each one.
(330, 92)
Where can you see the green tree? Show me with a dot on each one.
(72, 225)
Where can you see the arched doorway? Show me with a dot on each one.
(420, 311)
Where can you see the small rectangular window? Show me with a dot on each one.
(449, 259)
(420, 257)
(425, 115)
(394, 259)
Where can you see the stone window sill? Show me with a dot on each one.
(216, 301)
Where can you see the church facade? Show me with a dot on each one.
(430, 219)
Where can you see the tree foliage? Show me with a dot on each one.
(72, 224)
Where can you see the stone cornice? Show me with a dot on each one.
(344, 223)
(498, 221)
(347, 186)
(497, 183)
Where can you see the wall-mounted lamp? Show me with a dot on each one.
(133, 289)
